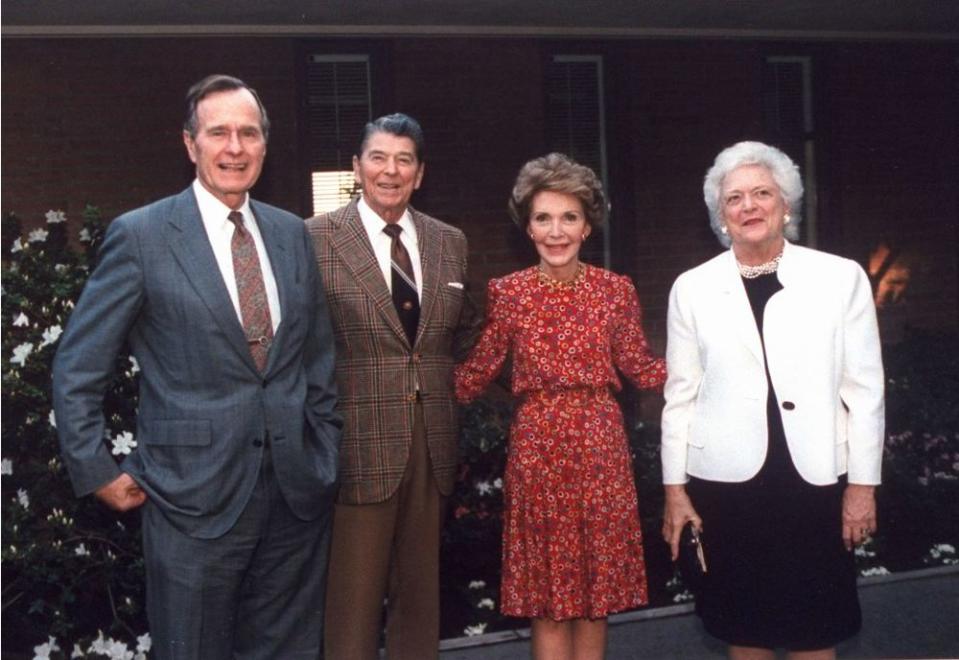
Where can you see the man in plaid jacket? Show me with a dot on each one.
(394, 369)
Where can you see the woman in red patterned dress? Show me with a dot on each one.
(572, 546)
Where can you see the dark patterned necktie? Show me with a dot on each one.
(254, 306)
(403, 282)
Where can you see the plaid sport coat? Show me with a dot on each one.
(377, 371)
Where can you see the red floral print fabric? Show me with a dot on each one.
(572, 545)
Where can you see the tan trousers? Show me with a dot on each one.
(389, 549)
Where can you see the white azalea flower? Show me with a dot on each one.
(472, 631)
(85, 235)
(23, 498)
(487, 603)
(111, 648)
(55, 217)
(477, 584)
(81, 551)
(498, 483)
(119, 651)
(43, 651)
(17, 246)
(144, 643)
(123, 443)
(53, 419)
(862, 551)
(21, 321)
(484, 487)
(21, 352)
(877, 570)
(134, 365)
(37, 236)
(77, 652)
(6, 467)
(98, 645)
(51, 335)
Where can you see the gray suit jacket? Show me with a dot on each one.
(204, 408)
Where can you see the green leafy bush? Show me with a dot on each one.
(72, 570)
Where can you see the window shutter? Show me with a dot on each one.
(575, 124)
(338, 107)
(784, 105)
(788, 122)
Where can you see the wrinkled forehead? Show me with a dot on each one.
(390, 144)
(234, 105)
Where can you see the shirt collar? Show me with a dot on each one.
(214, 212)
(374, 224)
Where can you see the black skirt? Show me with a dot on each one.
(779, 575)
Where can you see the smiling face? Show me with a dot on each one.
(558, 228)
(229, 146)
(388, 171)
(753, 209)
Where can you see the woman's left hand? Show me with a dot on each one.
(858, 514)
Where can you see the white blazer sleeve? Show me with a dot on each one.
(684, 374)
(861, 386)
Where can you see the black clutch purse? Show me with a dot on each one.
(692, 558)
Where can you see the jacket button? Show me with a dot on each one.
(788, 405)
(257, 443)
(416, 358)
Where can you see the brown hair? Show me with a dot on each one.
(557, 173)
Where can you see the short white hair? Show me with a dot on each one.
(783, 170)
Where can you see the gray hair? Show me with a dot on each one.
(783, 170)
(211, 85)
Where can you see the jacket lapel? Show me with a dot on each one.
(430, 244)
(191, 249)
(283, 266)
(737, 304)
(352, 245)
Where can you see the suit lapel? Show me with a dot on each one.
(737, 303)
(352, 245)
(283, 266)
(191, 249)
(430, 244)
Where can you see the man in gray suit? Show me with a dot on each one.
(220, 302)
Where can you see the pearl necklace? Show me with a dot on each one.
(752, 272)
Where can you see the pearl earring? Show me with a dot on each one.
(724, 230)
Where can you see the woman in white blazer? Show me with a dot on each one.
(774, 416)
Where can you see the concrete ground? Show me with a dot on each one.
(905, 615)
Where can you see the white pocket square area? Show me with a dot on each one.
(456, 285)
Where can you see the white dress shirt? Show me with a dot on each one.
(220, 230)
(382, 243)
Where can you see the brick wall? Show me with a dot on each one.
(98, 121)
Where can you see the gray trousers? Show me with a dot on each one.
(257, 592)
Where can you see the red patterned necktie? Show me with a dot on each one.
(254, 306)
